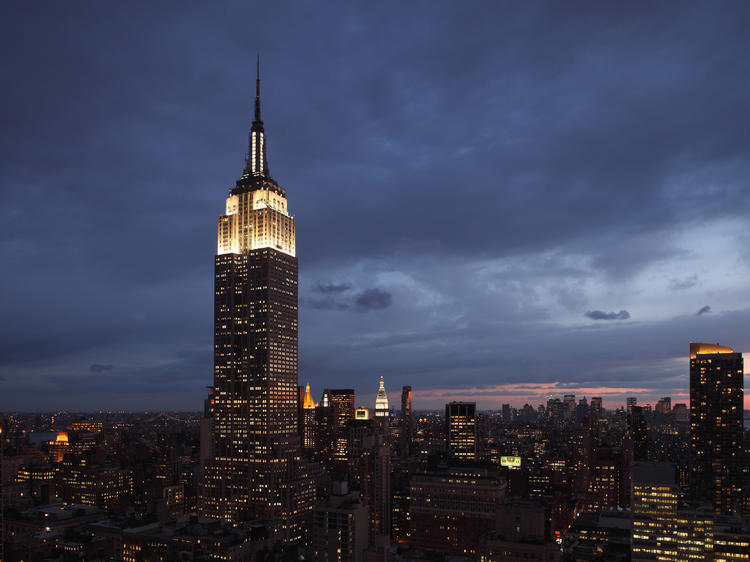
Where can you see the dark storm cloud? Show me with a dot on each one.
(373, 299)
(327, 303)
(420, 137)
(98, 368)
(601, 315)
(704, 310)
(332, 288)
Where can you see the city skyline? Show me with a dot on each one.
(495, 216)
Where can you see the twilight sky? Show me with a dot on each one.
(499, 202)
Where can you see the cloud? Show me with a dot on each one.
(705, 310)
(98, 368)
(2, 378)
(332, 288)
(601, 315)
(327, 303)
(682, 284)
(618, 216)
(373, 299)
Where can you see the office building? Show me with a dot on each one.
(342, 402)
(407, 422)
(596, 406)
(608, 480)
(461, 430)
(638, 429)
(654, 507)
(451, 507)
(340, 527)
(631, 401)
(522, 533)
(680, 413)
(716, 430)
(664, 406)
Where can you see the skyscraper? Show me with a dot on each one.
(664, 406)
(654, 507)
(596, 405)
(306, 419)
(407, 422)
(381, 401)
(253, 471)
(461, 430)
(716, 432)
(631, 401)
(638, 429)
(342, 400)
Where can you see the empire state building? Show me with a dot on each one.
(253, 467)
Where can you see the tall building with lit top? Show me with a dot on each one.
(381, 401)
(306, 420)
(716, 430)
(254, 469)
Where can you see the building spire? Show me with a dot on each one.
(256, 163)
(381, 401)
(308, 402)
(257, 90)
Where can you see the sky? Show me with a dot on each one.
(497, 202)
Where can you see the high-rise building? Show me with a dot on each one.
(664, 406)
(255, 469)
(596, 405)
(638, 429)
(680, 412)
(521, 533)
(342, 401)
(381, 401)
(461, 430)
(340, 526)
(370, 471)
(451, 507)
(716, 431)
(407, 421)
(607, 484)
(570, 405)
(654, 506)
(631, 401)
(506, 413)
(306, 419)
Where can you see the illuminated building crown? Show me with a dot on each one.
(381, 402)
(308, 402)
(256, 213)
